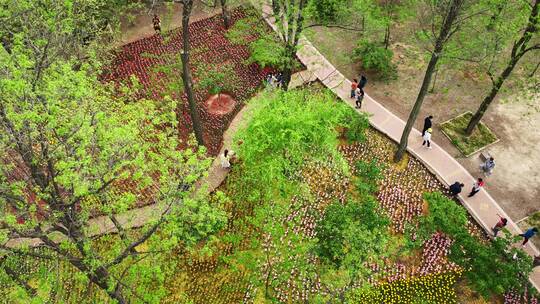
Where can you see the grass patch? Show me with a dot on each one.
(481, 137)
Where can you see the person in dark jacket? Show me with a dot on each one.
(427, 124)
(528, 234)
(363, 82)
(455, 188)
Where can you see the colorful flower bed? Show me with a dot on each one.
(517, 298)
(400, 190)
(434, 288)
(227, 276)
(209, 47)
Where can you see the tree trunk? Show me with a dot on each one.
(436, 73)
(535, 70)
(387, 36)
(519, 49)
(293, 36)
(444, 34)
(287, 71)
(490, 97)
(286, 80)
(186, 73)
(225, 14)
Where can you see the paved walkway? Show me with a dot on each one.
(482, 206)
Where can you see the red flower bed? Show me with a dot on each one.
(209, 47)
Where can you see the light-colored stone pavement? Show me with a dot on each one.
(482, 206)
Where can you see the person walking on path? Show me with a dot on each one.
(528, 234)
(427, 137)
(499, 226)
(476, 187)
(363, 82)
(157, 24)
(427, 124)
(225, 161)
(488, 166)
(455, 188)
(359, 97)
(354, 85)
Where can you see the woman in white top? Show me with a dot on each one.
(427, 138)
(225, 163)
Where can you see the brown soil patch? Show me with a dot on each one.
(220, 104)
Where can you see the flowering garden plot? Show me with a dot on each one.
(271, 246)
(209, 47)
(400, 190)
(516, 298)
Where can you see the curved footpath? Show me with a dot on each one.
(482, 206)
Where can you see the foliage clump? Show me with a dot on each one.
(324, 11)
(448, 217)
(376, 58)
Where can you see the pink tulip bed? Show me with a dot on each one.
(210, 46)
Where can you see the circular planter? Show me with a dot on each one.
(220, 104)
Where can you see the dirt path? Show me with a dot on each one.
(139, 25)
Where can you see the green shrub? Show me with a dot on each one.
(368, 174)
(355, 125)
(480, 259)
(286, 129)
(267, 52)
(324, 10)
(351, 232)
(376, 58)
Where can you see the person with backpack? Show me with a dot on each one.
(488, 166)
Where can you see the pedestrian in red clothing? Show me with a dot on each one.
(499, 226)
(476, 187)
(354, 85)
